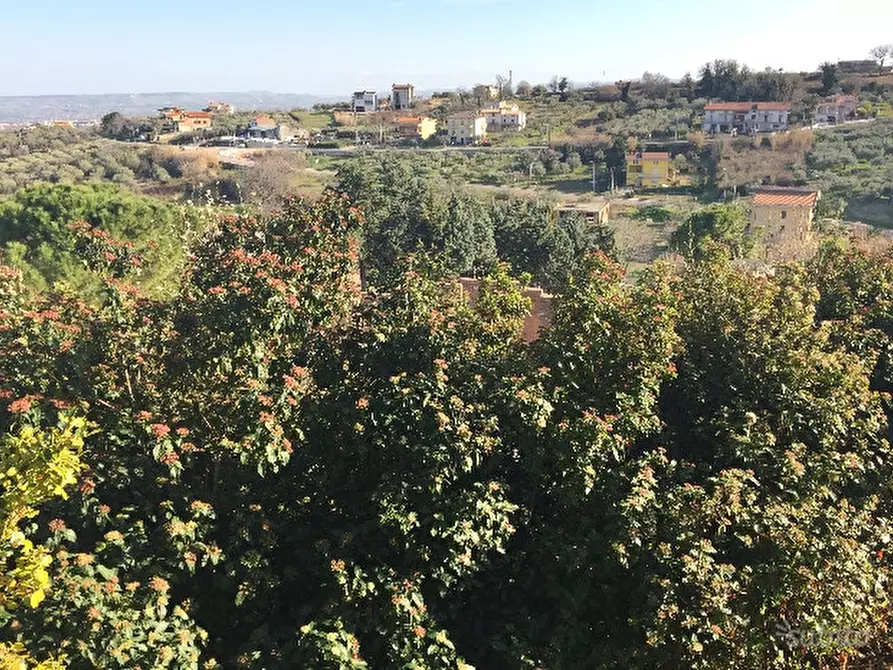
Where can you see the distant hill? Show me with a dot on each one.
(25, 108)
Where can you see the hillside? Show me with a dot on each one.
(22, 109)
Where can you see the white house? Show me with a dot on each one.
(746, 117)
(365, 101)
(402, 96)
(466, 128)
(505, 117)
(836, 109)
(265, 128)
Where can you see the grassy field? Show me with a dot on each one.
(640, 243)
(313, 120)
(310, 183)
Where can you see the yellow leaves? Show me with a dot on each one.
(36, 465)
(16, 657)
(36, 598)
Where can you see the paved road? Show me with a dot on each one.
(233, 152)
(353, 151)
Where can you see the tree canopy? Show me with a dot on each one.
(52, 232)
(278, 467)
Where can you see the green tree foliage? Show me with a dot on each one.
(728, 80)
(688, 470)
(60, 232)
(854, 162)
(830, 77)
(408, 210)
(723, 225)
(116, 126)
(68, 155)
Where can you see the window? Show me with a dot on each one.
(784, 214)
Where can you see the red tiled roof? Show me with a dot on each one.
(748, 106)
(650, 156)
(197, 115)
(841, 100)
(782, 197)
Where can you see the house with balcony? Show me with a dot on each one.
(364, 102)
(836, 109)
(466, 128)
(648, 168)
(506, 116)
(402, 96)
(746, 118)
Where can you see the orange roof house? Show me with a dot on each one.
(422, 127)
(785, 197)
(748, 106)
(190, 121)
(784, 214)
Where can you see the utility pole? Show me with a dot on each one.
(593, 176)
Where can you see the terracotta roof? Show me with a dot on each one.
(841, 100)
(197, 115)
(748, 106)
(649, 156)
(401, 86)
(264, 121)
(785, 197)
(409, 120)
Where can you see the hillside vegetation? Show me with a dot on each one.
(277, 468)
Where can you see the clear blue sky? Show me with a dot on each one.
(313, 46)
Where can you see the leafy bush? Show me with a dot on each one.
(654, 213)
(57, 233)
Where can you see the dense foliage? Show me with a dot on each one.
(856, 161)
(691, 470)
(55, 233)
(69, 156)
(408, 210)
(726, 226)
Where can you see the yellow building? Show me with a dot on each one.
(190, 121)
(648, 168)
(422, 127)
(783, 214)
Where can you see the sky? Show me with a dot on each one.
(332, 48)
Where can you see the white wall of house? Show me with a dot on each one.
(754, 120)
(401, 97)
(827, 112)
(505, 117)
(466, 129)
(365, 101)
